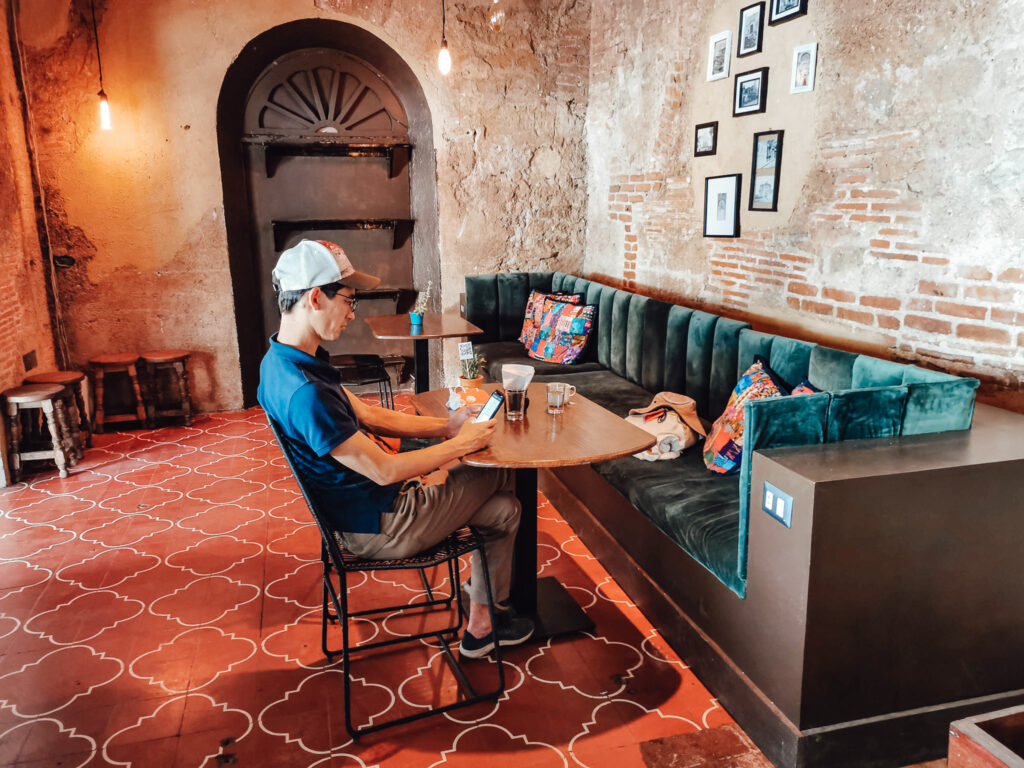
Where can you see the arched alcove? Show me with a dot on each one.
(371, 94)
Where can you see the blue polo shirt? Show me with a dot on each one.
(303, 395)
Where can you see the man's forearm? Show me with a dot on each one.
(382, 421)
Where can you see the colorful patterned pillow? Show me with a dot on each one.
(723, 448)
(563, 332)
(804, 388)
(535, 312)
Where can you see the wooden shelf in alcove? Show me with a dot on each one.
(274, 149)
(402, 228)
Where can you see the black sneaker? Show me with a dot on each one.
(511, 629)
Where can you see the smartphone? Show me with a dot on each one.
(491, 407)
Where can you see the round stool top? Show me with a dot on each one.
(55, 377)
(33, 393)
(121, 358)
(165, 355)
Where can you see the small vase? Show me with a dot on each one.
(474, 383)
(416, 318)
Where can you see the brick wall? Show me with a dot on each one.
(24, 317)
(898, 230)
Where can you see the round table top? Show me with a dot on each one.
(118, 358)
(55, 377)
(165, 355)
(33, 393)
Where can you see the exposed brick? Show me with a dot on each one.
(983, 333)
(793, 302)
(960, 310)
(866, 217)
(816, 307)
(803, 289)
(851, 206)
(654, 177)
(988, 293)
(921, 305)
(895, 206)
(1008, 317)
(631, 238)
(1012, 275)
(629, 275)
(894, 256)
(888, 322)
(975, 273)
(879, 243)
(865, 318)
(794, 257)
(880, 302)
(889, 231)
(936, 289)
(837, 295)
(929, 324)
(830, 216)
(857, 179)
(873, 193)
(934, 260)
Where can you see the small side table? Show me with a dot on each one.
(435, 326)
(48, 399)
(75, 396)
(176, 361)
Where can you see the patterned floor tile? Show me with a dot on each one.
(161, 607)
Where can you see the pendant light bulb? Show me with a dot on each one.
(497, 18)
(105, 124)
(444, 59)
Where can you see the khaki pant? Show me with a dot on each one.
(422, 516)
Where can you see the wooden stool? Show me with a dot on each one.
(75, 395)
(174, 360)
(48, 398)
(122, 363)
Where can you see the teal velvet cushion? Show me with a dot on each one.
(604, 324)
(677, 331)
(619, 331)
(603, 387)
(724, 354)
(652, 373)
(493, 302)
(857, 414)
(695, 508)
(635, 338)
(776, 422)
(791, 358)
(873, 372)
(500, 353)
(752, 344)
(938, 406)
(831, 369)
(700, 347)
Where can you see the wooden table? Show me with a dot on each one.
(436, 325)
(585, 433)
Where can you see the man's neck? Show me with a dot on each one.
(298, 335)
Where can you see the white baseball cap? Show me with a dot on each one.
(318, 262)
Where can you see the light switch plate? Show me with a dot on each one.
(777, 503)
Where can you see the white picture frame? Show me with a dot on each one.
(805, 64)
(719, 55)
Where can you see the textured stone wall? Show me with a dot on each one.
(140, 209)
(24, 316)
(898, 231)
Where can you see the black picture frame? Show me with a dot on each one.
(785, 10)
(765, 171)
(751, 24)
(722, 205)
(711, 127)
(750, 92)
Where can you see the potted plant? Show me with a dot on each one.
(420, 307)
(472, 371)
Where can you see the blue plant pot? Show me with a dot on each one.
(416, 318)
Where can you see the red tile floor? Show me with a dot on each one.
(160, 608)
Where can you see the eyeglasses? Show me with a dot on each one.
(334, 289)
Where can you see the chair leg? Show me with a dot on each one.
(55, 437)
(140, 408)
(14, 430)
(98, 394)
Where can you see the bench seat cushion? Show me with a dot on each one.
(499, 353)
(697, 509)
(605, 388)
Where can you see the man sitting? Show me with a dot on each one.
(383, 505)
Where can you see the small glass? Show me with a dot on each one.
(515, 404)
(558, 395)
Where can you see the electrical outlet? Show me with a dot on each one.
(778, 504)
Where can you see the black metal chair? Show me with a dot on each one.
(357, 370)
(337, 564)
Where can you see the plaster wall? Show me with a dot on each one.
(140, 208)
(24, 315)
(898, 230)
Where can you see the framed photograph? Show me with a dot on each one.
(784, 10)
(751, 92)
(721, 205)
(764, 172)
(805, 60)
(719, 51)
(751, 30)
(705, 139)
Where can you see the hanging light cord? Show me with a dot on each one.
(443, 39)
(96, 40)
